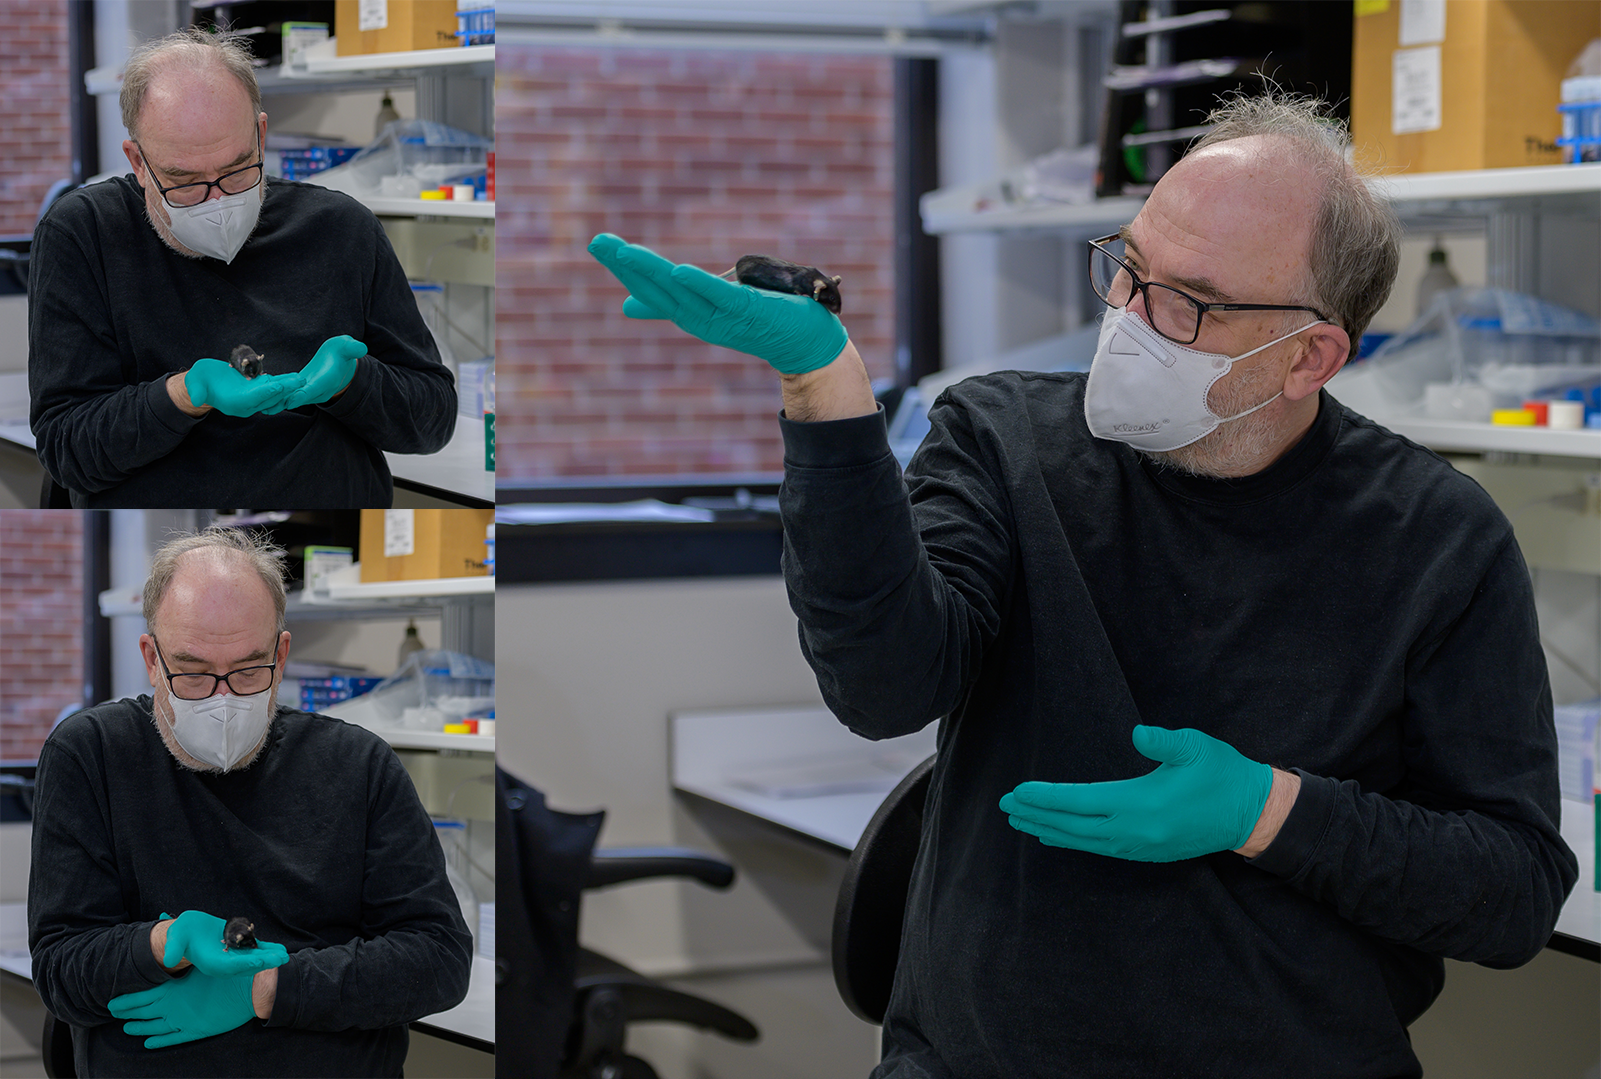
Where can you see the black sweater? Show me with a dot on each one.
(322, 842)
(113, 311)
(1358, 611)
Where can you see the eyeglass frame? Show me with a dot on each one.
(216, 679)
(207, 184)
(1201, 306)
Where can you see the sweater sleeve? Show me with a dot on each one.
(83, 951)
(414, 955)
(1465, 859)
(93, 428)
(898, 592)
(402, 398)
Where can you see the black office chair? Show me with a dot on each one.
(56, 1049)
(609, 995)
(871, 909)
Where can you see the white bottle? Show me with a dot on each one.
(1436, 279)
(386, 115)
(409, 643)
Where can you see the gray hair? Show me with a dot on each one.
(193, 48)
(257, 548)
(1356, 239)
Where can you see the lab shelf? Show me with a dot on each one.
(397, 207)
(325, 73)
(401, 739)
(1461, 436)
(347, 597)
(382, 65)
(1570, 190)
(438, 587)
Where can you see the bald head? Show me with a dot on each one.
(215, 588)
(187, 76)
(232, 564)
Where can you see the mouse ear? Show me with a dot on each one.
(837, 279)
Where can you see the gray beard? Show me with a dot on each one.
(1237, 448)
(164, 723)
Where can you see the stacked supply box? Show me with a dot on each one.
(317, 694)
(1473, 84)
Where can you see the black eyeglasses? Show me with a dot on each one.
(244, 682)
(182, 196)
(1174, 314)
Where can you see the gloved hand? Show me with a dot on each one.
(1204, 797)
(212, 382)
(792, 333)
(197, 937)
(185, 1009)
(329, 371)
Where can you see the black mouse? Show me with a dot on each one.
(239, 933)
(246, 361)
(776, 275)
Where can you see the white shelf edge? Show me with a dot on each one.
(398, 207)
(426, 589)
(951, 210)
(404, 739)
(1490, 183)
(384, 62)
(1460, 436)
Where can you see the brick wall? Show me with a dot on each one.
(41, 624)
(35, 123)
(701, 156)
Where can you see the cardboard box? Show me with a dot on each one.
(406, 25)
(1483, 96)
(424, 543)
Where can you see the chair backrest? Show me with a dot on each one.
(871, 907)
(56, 1049)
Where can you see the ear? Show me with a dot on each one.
(1325, 351)
(135, 160)
(283, 651)
(147, 649)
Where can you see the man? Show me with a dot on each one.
(1319, 634)
(142, 286)
(207, 802)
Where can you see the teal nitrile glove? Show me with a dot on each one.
(1204, 797)
(197, 937)
(329, 371)
(185, 1009)
(792, 333)
(214, 383)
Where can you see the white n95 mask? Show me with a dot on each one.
(217, 227)
(1151, 393)
(220, 730)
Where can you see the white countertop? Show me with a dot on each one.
(473, 1018)
(766, 761)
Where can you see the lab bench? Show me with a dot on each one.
(802, 770)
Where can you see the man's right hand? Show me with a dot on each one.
(212, 383)
(794, 334)
(196, 936)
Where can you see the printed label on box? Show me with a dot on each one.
(1422, 22)
(372, 15)
(400, 533)
(1415, 89)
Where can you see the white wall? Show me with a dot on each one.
(587, 676)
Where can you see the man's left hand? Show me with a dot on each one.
(185, 1009)
(1204, 797)
(329, 371)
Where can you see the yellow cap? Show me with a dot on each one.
(1513, 417)
(435, 194)
(457, 728)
